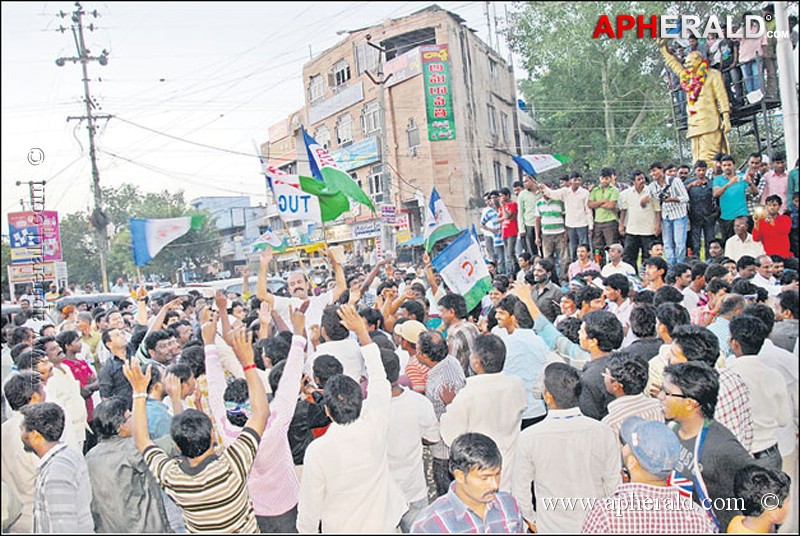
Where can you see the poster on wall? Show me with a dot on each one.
(438, 99)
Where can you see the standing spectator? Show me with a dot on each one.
(600, 335)
(473, 501)
(509, 230)
(625, 378)
(710, 454)
(460, 333)
(490, 227)
(773, 230)
(776, 181)
(526, 201)
(702, 213)
(126, 497)
(63, 490)
(639, 223)
(343, 493)
(551, 234)
(751, 58)
(793, 182)
(467, 412)
(730, 189)
(566, 455)
(794, 213)
(584, 262)
(546, 294)
(674, 201)
(577, 214)
(741, 244)
(603, 199)
(731, 74)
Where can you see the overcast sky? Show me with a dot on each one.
(216, 73)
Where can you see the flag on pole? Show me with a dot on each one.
(438, 222)
(533, 164)
(462, 267)
(148, 237)
(333, 186)
(277, 243)
(293, 203)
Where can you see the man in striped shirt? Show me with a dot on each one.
(551, 235)
(210, 488)
(625, 377)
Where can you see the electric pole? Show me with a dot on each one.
(99, 219)
(386, 183)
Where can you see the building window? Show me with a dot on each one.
(498, 177)
(504, 125)
(323, 137)
(344, 130)
(341, 73)
(493, 69)
(492, 120)
(316, 88)
(375, 180)
(413, 137)
(291, 167)
(370, 118)
(530, 141)
(366, 58)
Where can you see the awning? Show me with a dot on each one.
(416, 241)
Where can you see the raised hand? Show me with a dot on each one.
(138, 380)
(264, 312)
(221, 301)
(242, 343)
(447, 393)
(208, 329)
(298, 320)
(355, 295)
(265, 257)
(172, 385)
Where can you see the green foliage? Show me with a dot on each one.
(124, 202)
(602, 102)
(5, 250)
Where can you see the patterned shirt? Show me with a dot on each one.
(640, 405)
(668, 513)
(63, 493)
(417, 374)
(734, 408)
(448, 371)
(552, 213)
(449, 514)
(491, 219)
(721, 328)
(671, 211)
(460, 339)
(213, 495)
(754, 200)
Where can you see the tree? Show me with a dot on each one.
(5, 248)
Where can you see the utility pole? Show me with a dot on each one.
(788, 84)
(386, 182)
(99, 219)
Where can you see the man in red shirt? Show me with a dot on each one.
(509, 232)
(773, 230)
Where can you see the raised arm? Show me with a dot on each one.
(246, 283)
(379, 390)
(373, 274)
(338, 274)
(671, 61)
(261, 281)
(243, 347)
(429, 273)
(139, 381)
(222, 307)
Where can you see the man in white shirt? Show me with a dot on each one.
(765, 280)
(617, 288)
(615, 263)
(347, 484)
(691, 293)
(742, 243)
(412, 422)
(578, 215)
(565, 455)
(339, 344)
(468, 411)
(770, 400)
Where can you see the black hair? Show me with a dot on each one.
(20, 388)
(46, 418)
(237, 392)
(455, 302)
(606, 328)
(490, 350)
(391, 364)
(658, 262)
(343, 398)
(718, 284)
(715, 271)
(744, 287)
(30, 359)
(415, 309)
(563, 383)
(500, 283)
(19, 349)
(698, 381)
(701, 164)
(20, 334)
(191, 431)
(575, 175)
(645, 296)
(672, 315)
(44, 328)
(584, 246)
(749, 332)
(275, 348)
(373, 317)
(752, 483)
(586, 295)
(668, 294)
(678, 268)
(514, 306)
(745, 261)
(332, 324)
(41, 342)
(195, 357)
(570, 328)
(275, 375)
(619, 282)
(763, 313)
(182, 371)
(65, 338)
(108, 416)
(547, 265)
(474, 451)
(505, 191)
(697, 343)
(629, 371)
(656, 165)
(154, 337)
(789, 300)
(643, 320)
(433, 345)
(698, 269)
(155, 377)
(325, 367)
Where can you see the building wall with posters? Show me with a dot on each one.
(463, 157)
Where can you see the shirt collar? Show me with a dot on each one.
(461, 510)
(50, 454)
(557, 414)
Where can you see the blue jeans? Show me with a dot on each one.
(674, 234)
(577, 236)
(751, 71)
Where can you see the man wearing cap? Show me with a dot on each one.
(407, 336)
(615, 263)
(646, 504)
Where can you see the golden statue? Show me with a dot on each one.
(706, 101)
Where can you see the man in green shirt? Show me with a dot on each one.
(526, 213)
(603, 199)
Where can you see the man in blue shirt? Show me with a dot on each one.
(731, 189)
(474, 503)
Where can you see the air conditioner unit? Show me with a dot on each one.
(412, 151)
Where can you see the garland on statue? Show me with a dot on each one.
(692, 81)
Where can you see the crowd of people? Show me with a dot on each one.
(379, 403)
